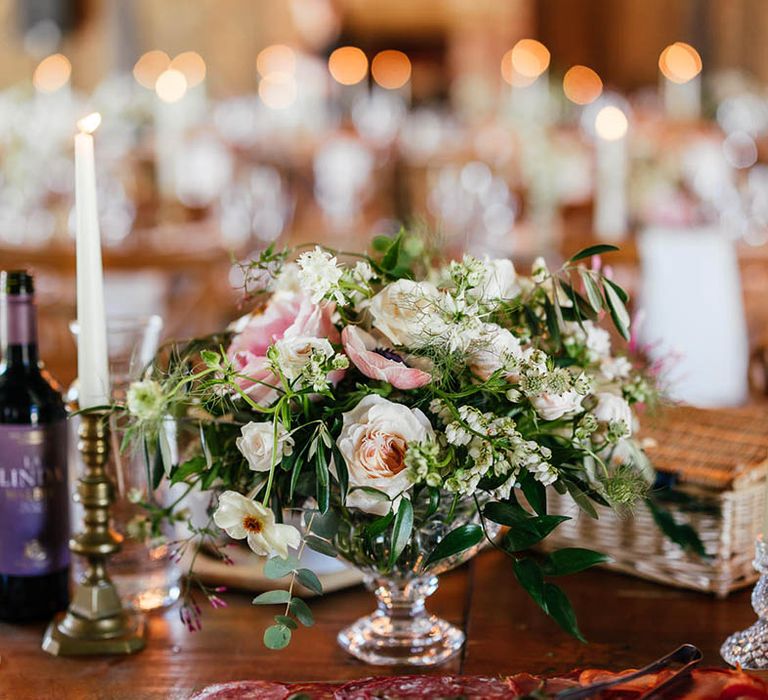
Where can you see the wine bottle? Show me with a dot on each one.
(34, 497)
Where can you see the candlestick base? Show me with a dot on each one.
(95, 622)
(749, 648)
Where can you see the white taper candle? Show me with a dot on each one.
(92, 359)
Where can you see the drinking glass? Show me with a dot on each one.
(142, 571)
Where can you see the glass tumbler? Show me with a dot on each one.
(142, 571)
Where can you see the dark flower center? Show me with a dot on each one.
(389, 354)
(252, 524)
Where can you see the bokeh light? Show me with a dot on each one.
(52, 73)
(391, 69)
(525, 62)
(191, 65)
(582, 85)
(171, 86)
(611, 123)
(348, 65)
(150, 66)
(278, 90)
(277, 58)
(680, 62)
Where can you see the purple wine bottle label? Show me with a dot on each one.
(20, 324)
(34, 499)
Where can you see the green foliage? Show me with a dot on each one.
(277, 636)
(302, 612)
(401, 530)
(681, 534)
(456, 541)
(309, 580)
(272, 597)
(571, 560)
(593, 250)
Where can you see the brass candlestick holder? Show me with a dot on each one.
(95, 622)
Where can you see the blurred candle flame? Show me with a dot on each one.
(89, 124)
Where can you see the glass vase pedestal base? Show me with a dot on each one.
(401, 631)
(749, 648)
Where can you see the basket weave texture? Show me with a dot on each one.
(720, 460)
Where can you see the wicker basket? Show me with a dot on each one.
(720, 458)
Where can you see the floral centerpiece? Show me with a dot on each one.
(408, 411)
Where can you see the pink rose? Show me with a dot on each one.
(373, 361)
(285, 316)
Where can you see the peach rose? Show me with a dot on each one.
(373, 441)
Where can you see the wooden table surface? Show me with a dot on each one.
(628, 623)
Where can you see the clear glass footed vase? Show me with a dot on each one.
(401, 631)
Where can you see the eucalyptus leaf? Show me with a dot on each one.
(401, 530)
(309, 580)
(277, 567)
(287, 621)
(456, 541)
(277, 637)
(322, 546)
(302, 612)
(272, 598)
(598, 249)
(571, 560)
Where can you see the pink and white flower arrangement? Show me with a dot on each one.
(380, 394)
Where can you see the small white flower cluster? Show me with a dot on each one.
(306, 361)
(495, 448)
(319, 273)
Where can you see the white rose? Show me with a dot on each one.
(293, 354)
(257, 443)
(500, 281)
(495, 348)
(551, 406)
(405, 311)
(613, 409)
(373, 441)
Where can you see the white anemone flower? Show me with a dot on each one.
(245, 519)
